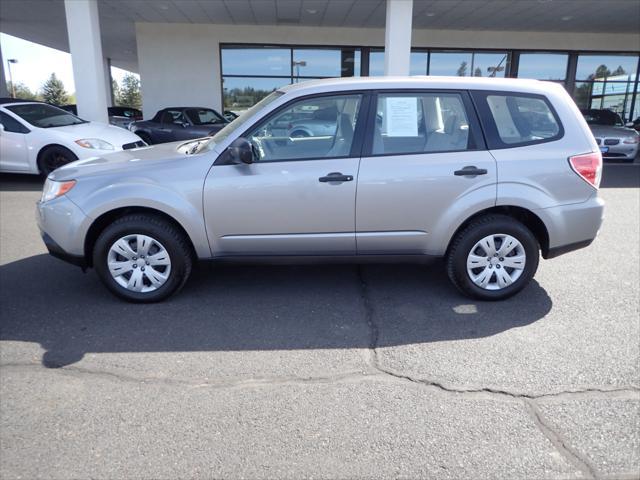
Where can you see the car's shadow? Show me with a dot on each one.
(237, 308)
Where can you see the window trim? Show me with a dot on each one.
(475, 130)
(494, 141)
(358, 134)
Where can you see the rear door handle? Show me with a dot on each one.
(470, 171)
(336, 177)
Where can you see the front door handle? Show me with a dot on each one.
(336, 177)
(470, 171)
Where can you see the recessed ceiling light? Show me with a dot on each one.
(163, 6)
(430, 14)
(311, 11)
(566, 18)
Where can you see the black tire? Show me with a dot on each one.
(478, 229)
(54, 157)
(173, 240)
(145, 137)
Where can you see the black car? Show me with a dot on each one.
(179, 123)
(118, 116)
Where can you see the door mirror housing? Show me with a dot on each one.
(240, 151)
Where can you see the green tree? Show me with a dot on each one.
(115, 88)
(477, 72)
(53, 91)
(602, 72)
(462, 70)
(129, 92)
(21, 91)
(618, 71)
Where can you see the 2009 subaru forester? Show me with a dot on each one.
(485, 172)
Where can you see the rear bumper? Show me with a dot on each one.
(572, 227)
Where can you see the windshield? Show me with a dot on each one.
(602, 117)
(204, 116)
(45, 116)
(242, 119)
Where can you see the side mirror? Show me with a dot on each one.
(240, 151)
(629, 124)
(1, 127)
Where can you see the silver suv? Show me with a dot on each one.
(486, 173)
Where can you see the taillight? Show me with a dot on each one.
(588, 166)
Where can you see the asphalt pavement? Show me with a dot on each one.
(322, 371)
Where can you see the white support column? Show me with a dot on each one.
(397, 37)
(83, 27)
(3, 81)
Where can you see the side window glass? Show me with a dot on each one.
(311, 128)
(420, 123)
(173, 117)
(12, 125)
(522, 119)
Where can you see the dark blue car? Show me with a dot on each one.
(179, 123)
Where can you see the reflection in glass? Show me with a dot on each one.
(543, 66)
(241, 93)
(256, 61)
(606, 67)
(450, 64)
(326, 62)
(418, 65)
(614, 96)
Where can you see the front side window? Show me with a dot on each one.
(311, 128)
(45, 116)
(522, 119)
(420, 123)
(204, 116)
(173, 117)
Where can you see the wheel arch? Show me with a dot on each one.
(529, 219)
(46, 147)
(105, 219)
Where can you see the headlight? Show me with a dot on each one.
(634, 139)
(54, 189)
(95, 143)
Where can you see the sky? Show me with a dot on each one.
(36, 62)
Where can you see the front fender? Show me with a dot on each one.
(144, 192)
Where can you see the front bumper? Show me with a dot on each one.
(57, 251)
(622, 151)
(62, 227)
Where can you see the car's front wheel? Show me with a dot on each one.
(493, 258)
(142, 258)
(54, 157)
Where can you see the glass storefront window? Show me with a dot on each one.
(256, 61)
(543, 66)
(343, 62)
(596, 67)
(241, 93)
(467, 64)
(450, 64)
(614, 96)
(418, 65)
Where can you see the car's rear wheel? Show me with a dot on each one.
(493, 258)
(142, 258)
(54, 157)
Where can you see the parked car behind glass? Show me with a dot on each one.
(417, 167)
(36, 137)
(179, 123)
(616, 141)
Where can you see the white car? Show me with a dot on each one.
(37, 137)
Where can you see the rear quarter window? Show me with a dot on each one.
(517, 119)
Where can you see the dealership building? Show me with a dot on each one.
(228, 54)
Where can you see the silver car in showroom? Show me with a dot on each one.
(616, 140)
(485, 173)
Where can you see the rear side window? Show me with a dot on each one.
(12, 125)
(512, 120)
(422, 122)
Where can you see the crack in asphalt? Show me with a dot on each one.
(560, 443)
